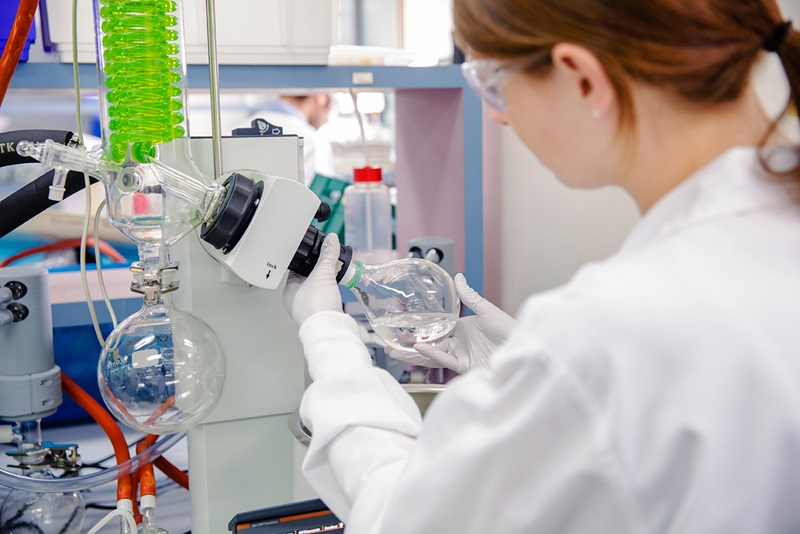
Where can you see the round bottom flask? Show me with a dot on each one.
(406, 301)
(161, 370)
(26, 512)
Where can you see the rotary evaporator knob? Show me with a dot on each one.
(307, 254)
(238, 207)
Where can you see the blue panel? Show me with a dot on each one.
(59, 76)
(473, 188)
(51, 76)
(281, 77)
(77, 350)
(77, 313)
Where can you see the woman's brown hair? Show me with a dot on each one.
(703, 50)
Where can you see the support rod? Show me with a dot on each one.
(213, 68)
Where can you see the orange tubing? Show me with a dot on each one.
(137, 515)
(163, 465)
(144, 477)
(104, 248)
(16, 43)
(147, 477)
(107, 423)
(169, 469)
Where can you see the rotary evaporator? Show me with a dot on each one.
(221, 365)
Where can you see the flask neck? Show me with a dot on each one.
(352, 275)
(28, 434)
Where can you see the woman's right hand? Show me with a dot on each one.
(474, 338)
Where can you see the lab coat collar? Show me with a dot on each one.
(733, 183)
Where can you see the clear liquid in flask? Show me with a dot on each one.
(403, 330)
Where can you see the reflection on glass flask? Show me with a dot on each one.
(406, 301)
(44, 513)
(161, 370)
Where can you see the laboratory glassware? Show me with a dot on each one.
(406, 301)
(46, 513)
(162, 369)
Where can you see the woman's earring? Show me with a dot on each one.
(596, 113)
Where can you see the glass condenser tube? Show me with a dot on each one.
(140, 51)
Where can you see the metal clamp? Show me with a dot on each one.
(47, 456)
(154, 284)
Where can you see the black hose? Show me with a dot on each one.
(23, 205)
(26, 203)
(9, 140)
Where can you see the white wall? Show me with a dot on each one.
(428, 28)
(538, 232)
(379, 26)
(791, 11)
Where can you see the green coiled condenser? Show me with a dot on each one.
(143, 76)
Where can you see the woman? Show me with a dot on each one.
(658, 391)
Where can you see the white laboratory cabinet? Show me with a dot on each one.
(249, 32)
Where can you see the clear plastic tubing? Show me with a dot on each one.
(58, 485)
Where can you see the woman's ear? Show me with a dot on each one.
(592, 84)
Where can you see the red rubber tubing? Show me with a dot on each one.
(16, 43)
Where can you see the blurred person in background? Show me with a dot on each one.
(302, 115)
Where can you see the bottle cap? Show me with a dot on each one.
(367, 174)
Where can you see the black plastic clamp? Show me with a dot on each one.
(308, 251)
(238, 208)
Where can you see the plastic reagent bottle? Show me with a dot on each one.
(368, 216)
(406, 301)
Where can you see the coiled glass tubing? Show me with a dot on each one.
(144, 89)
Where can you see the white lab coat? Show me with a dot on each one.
(317, 152)
(659, 391)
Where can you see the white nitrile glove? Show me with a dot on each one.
(474, 338)
(303, 297)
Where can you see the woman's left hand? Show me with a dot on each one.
(303, 297)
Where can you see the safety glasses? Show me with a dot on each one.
(488, 77)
